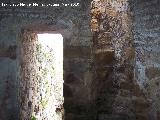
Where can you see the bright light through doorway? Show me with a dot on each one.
(50, 59)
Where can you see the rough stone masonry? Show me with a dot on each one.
(111, 57)
(118, 96)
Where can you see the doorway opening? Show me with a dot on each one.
(41, 91)
(50, 58)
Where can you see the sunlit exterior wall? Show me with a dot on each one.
(41, 86)
(50, 59)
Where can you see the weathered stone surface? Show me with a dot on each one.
(71, 22)
(70, 78)
(115, 50)
(152, 72)
(77, 52)
(146, 16)
(67, 92)
(8, 51)
(104, 72)
(114, 64)
(104, 57)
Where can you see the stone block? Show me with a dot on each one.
(104, 57)
(8, 51)
(125, 93)
(129, 53)
(74, 107)
(152, 72)
(104, 72)
(136, 91)
(122, 105)
(140, 105)
(94, 25)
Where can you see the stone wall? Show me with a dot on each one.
(146, 17)
(117, 94)
(111, 73)
(73, 24)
